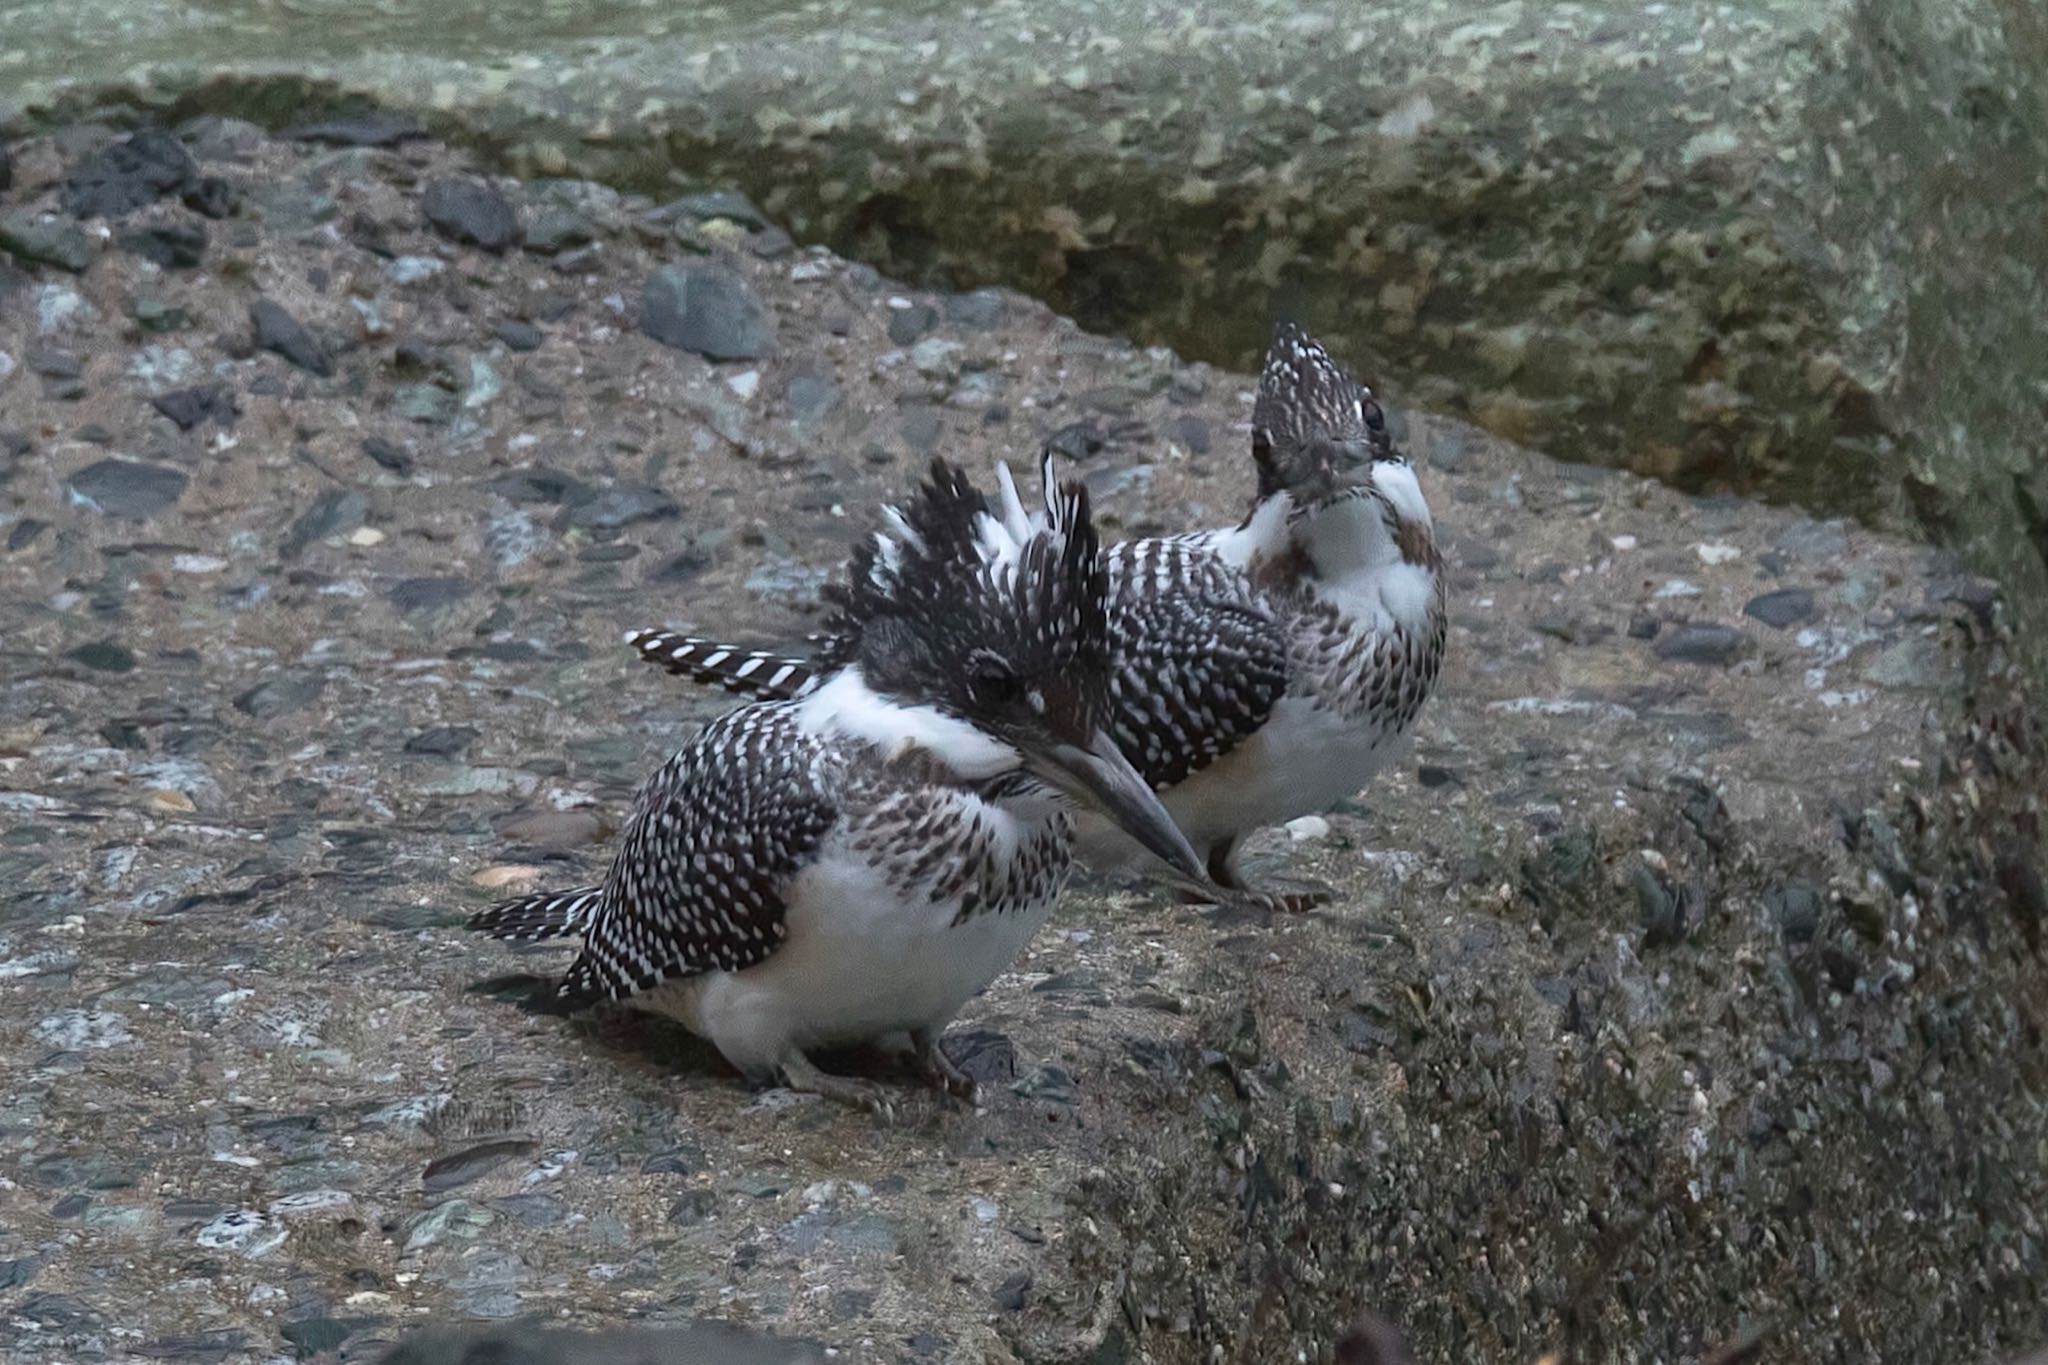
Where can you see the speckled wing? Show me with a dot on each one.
(715, 839)
(1199, 659)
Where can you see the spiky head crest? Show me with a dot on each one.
(1316, 430)
(979, 609)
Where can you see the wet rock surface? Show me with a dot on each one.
(1697, 985)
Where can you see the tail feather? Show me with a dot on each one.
(544, 914)
(751, 672)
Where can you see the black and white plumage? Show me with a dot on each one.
(1266, 670)
(853, 864)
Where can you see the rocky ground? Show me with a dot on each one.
(1685, 983)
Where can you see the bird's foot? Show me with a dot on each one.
(941, 1071)
(1298, 900)
(802, 1075)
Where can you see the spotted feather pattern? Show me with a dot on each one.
(1199, 660)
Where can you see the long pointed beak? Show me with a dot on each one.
(1100, 776)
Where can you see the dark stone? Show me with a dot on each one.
(19, 1272)
(680, 567)
(427, 594)
(466, 211)
(369, 130)
(809, 397)
(387, 455)
(771, 243)
(1781, 609)
(518, 336)
(24, 533)
(1644, 627)
(334, 513)
(980, 309)
(1014, 1293)
(279, 696)
(533, 1210)
(103, 656)
(6, 168)
(706, 309)
(129, 174)
(311, 1336)
(1190, 431)
(677, 1161)
(988, 1057)
(156, 316)
(63, 245)
(1715, 646)
(693, 1206)
(473, 1163)
(189, 407)
(443, 741)
(539, 485)
(197, 1346)
(1431, 777)
(1078, 441)
(611, 508)
(1796, 907)
(70, 1206)
(908, 324)
(558, 230)
(210, 196)
(53, 363)
(1049, 1083)
(128, 489)
(173, 246)
(729, 204)
(279, 331)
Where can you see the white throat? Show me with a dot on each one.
(846, 706)
(1359, 565)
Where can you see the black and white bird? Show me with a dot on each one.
(854, 864)
(1262, 671)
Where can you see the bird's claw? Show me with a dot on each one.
(941, 1072)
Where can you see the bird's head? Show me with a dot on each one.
(1319, 436)
(993, 622)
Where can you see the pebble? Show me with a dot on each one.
(334, 513)
(518, 336)
(428, 593)
(279, 696)
(413, 269)
(728, 204)
(455, 1220)
(745, 384)
(553, 829)
(187, 408)
(706, 309)
(129, 174)
(83, 1030)
(507, 874)
(28, 238)
(809, 397)
(472, 1163)
(280, 332)
(612, 509)
(367, 130)
(103, 656)
(171, 246)
(1782, 609)
(1716, 554)
(556, 230)
(910, 322)
(1308, 828)
(1701, 644)
(471, 212)
(938, 358)
(128, 489)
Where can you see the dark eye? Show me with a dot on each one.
(996, 686)
(1375, 420)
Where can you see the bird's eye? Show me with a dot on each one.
(1375, 419)
(996, 686)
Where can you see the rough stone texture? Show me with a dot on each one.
(1657, 1000)
(1720, 245)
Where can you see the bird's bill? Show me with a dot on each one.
(1100, 776)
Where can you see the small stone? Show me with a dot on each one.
(189, 407)
(63, 245)
(518, 336)
(610, 509)
(279, 696)
(553, 829)
(335, 512)
(980, 309)
(1014, 1293)
(1716, 554)
(938, 358)
(907, 325)
(428, 403)
(557, 230)
(467, 211)
(921, 429)
(83, 1030)
(1915, 662)
(1712, 645)
(810, 397)
(168, 802)
(387, 455)
(1190, 433)
(172, 246)
(278, 331)
(104, 656)
(1308, 828)
(455, 1220)
(404, 270)
(727, 204)
(443, 741)
(154, 315)
(128, 489)
(1644, 627)
(128, 174)
(472, 1163)
(745, 384)
(1796, 907)
(1781, 609)
(706, 309)
(428, 594)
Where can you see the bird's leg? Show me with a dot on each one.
(800, 1074)
(940, 1070)
(1240, 895)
